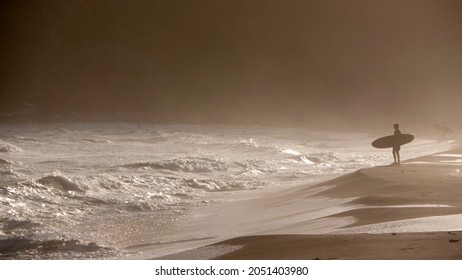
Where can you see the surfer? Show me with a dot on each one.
(443, 129)
(396, 147)
(393, 141)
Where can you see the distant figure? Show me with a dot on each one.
(396, 147)
(443, 129)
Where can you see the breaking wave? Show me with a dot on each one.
(9, 148)
(198, 165)
(27, 248)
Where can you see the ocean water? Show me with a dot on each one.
(71, 190)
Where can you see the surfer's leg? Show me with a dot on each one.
(396, 155)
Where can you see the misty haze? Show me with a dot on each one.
(214, 128)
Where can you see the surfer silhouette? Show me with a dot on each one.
(396, 147)
(443, 129)
(393, 141)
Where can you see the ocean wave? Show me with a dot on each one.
(9, 226)
(196, 165)
(60, 182)
(289, 151)
(9, 148)
(252, 173)
(251, 145)
(60, 202)
(28, 248)
(61, 129)
(248, 143)
(9, 173)
(5, 162)
(218, 185)
(74, 197)
(327, 157)
(26, 139)
(309, 159)
(96, 141)
(305, 160)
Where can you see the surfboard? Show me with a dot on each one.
(392, 140)
(443, 128)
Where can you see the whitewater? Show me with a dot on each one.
(92, 190)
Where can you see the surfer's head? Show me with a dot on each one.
(396, 126)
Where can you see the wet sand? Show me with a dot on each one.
(407, 211)
(407, 246)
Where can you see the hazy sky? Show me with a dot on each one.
(354, 59)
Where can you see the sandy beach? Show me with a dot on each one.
(408, 211)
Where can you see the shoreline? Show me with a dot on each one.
(410, 211)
